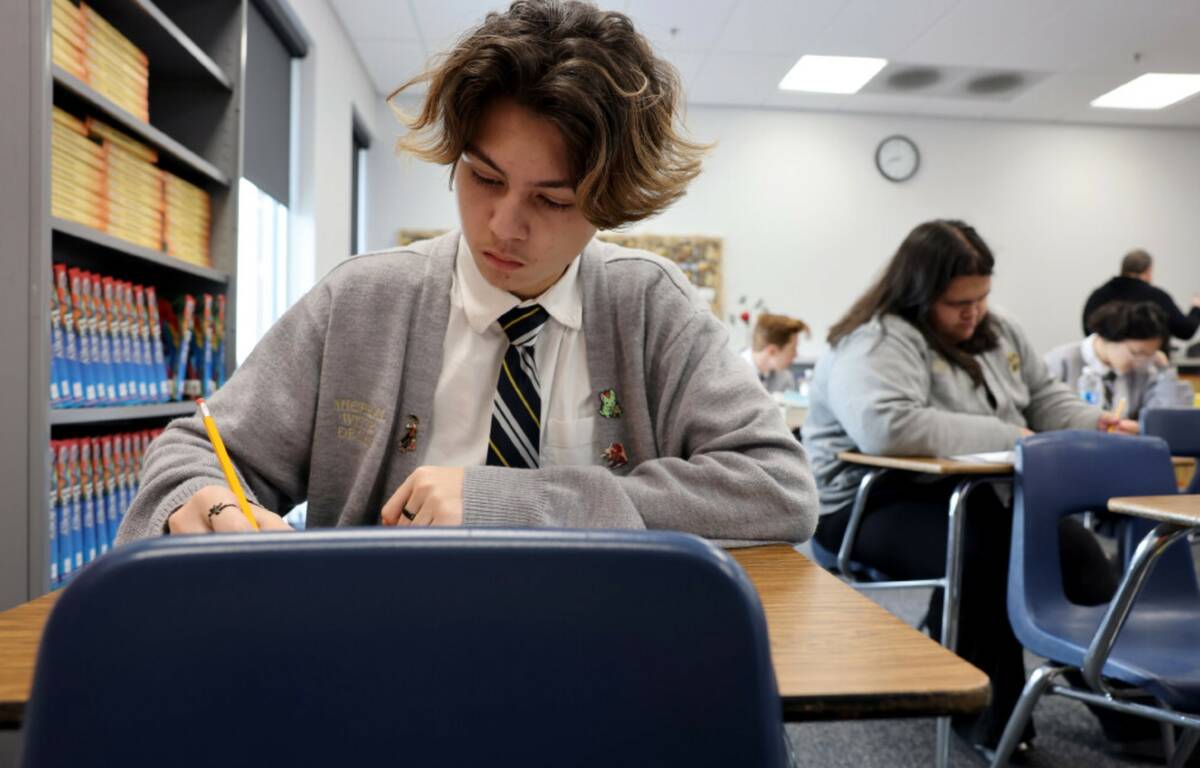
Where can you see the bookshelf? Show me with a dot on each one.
(196, 62)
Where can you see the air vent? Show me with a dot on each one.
(913, 78)
(996, 84)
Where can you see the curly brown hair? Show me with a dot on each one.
(591, 74)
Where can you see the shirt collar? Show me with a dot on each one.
(484, 303)
(1090, 359)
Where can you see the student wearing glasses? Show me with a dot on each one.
(516, 372)
(920, 366)
(1123, 358)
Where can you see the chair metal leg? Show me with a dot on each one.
(1035, 686)
(1183, 749)
(846, 550)
(950, 596)
(941, 754)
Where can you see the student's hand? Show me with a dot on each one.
(430, 496)
(1161, 360)
(195, 517)
(1196, 300)
(1110, 423)
(1026, 432)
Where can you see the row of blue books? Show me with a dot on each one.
(115, 343)
(92, 483)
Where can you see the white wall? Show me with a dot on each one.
(331, 81)
(808, 221)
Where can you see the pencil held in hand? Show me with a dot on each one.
(1118, 414)
(226, 465)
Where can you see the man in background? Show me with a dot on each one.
(1134, 285)
(773, 350)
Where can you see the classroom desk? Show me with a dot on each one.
(1178, 509)
(837, 655)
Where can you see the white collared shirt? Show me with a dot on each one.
(471, 353)
(1091, 360)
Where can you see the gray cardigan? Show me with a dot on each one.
(319, 411)
(1141, 388)
(884, 390)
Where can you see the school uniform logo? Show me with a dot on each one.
(1014, 362)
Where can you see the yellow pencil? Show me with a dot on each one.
(226, 465)
(1117, 414)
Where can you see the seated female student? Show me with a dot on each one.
(517, 372)
(920, 367)
(1123, 360)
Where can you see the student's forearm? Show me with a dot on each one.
(718, 496)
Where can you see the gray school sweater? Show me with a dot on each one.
(320, 409)
(884, 390)
(1142, 388)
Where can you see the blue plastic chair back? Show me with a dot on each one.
(1180, 427)
(429, 648)
(1064, 473)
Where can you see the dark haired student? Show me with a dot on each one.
(1124, 356)
(517, 372)
(920, 367)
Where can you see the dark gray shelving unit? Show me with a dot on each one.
(159, 411)
(196, 53)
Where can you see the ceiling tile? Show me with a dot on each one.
(882, 28)
(391, 63)
(978, 32)
(770, 27)
(681, 27)
(738, 79)
(376, 19)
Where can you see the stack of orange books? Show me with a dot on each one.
(187, 215)
(68, 44)
(133, 187)
(115, 67)
(77, 172)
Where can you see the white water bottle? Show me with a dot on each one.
(1090, 387)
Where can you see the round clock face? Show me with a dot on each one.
(897, 158)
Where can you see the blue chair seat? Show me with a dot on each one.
(1156, 650)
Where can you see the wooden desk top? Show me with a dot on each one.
(934, 466)
(925, 464)
(1181, 509)
(20, 632)
(837, 655)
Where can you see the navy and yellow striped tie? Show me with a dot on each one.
(515, 439)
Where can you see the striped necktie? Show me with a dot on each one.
(515, 439)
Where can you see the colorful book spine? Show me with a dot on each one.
(83, 335)
(156, 345)
(58, 395)
(76, 497)
(150, 368)
(133, 464)
(66, 549)
(115, 510)
(103, 330)
(52, 506)
(120, 352)
(220, 330)
(70, 334)
(87, 489)
(208, 384)
(135, 342)
(100, 499)
(186, 318)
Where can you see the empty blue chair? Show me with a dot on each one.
(423, 648)
(1154, 648)
(1180, 427)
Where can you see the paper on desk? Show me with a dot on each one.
(993, 457)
